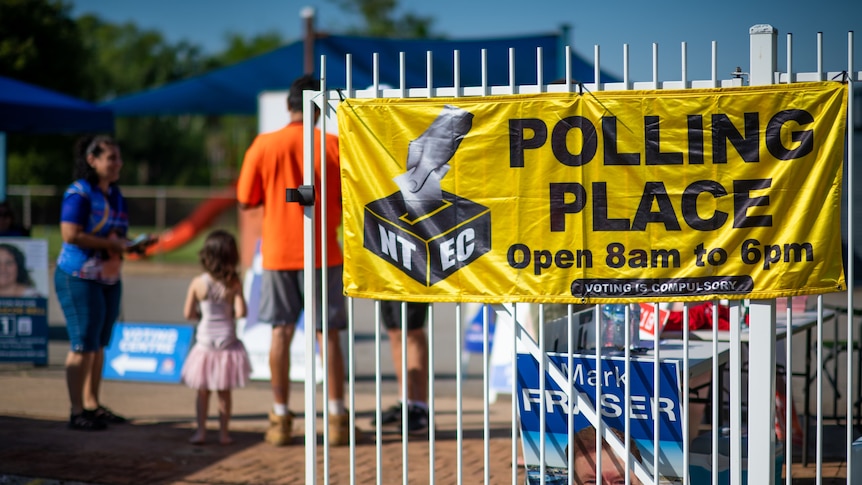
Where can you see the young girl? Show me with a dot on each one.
(218, 361)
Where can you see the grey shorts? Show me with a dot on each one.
(390, 312)
(281, 298)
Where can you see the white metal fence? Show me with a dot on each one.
(741, 379)
(157, 206)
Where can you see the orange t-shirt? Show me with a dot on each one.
(272, 164)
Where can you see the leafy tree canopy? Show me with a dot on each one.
(96, 60)
(93, 59)
(41, 44)
(380, 19)
(125, 59)
(240, 48)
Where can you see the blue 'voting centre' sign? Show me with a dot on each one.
(147, 352)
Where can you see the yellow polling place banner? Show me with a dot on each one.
(595, 197)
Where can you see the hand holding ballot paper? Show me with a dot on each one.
(428, 158)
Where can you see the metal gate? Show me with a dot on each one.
(738, 389)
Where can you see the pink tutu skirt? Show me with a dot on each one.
(217, 369)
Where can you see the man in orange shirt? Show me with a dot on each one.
(272, 164)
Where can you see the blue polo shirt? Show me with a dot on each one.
(99, 214)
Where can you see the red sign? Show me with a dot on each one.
(647, 323)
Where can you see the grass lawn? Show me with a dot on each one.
(187, 254)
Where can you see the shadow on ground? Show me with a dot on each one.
(151, 453)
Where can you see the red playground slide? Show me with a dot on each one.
(187, 229)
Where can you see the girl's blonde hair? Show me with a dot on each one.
(219, 256)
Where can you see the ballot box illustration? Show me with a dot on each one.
(426, 232)
(432, 246)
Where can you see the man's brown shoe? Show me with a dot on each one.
(339, 430)
(280, 429)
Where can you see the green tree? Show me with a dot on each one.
(172, 150)
(166, 150)
(125, 59)
(229, 136)
(380, 19)
(40, 44)
(239, 48)
(97, 60)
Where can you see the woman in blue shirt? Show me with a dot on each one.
(93, 225)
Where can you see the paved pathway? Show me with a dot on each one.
(152, 449)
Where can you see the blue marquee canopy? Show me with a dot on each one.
(234, 89)
(26, 108)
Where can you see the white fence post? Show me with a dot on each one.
(311, 310)
(761, 369)
(763, 54)
(161, 209)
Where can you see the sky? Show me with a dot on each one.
(607, 23)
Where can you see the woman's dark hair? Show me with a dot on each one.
(219, 256)
(22, 277)
(89, 145)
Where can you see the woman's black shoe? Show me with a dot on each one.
(86, 421)
(105, 415)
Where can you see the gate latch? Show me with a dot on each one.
(304, 194)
